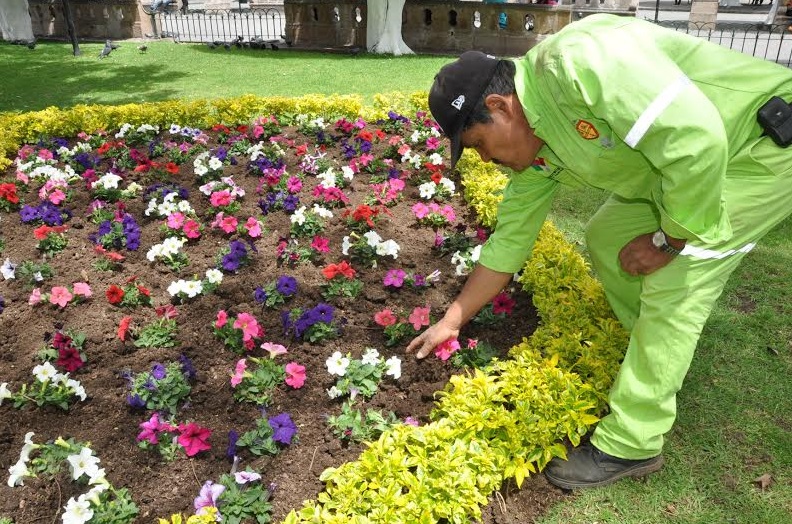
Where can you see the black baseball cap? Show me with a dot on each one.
(455, 92)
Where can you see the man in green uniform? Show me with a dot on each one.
(668, 124)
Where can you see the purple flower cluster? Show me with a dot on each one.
(322, 313)
(236, 256)
(285, 286)
(276, 200)
(283, 429)
(266, 166)
(84, 160)
(46, 212)
(113, 234)
(360, 146)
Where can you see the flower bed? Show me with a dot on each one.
(252, 301)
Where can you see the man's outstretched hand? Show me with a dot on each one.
(641, 257)
(431, 338)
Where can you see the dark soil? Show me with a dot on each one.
(110, 425)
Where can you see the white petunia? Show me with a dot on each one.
(44, 372)
(174, 129)
(108, 181)
(176, 287)
(8, 269)
(388, 248)
(346, 243)
(16, 474)
(327, 179)
(476, 253)
(415, 137)
(77, 511)
(372, 238)
(193, 288)
(4, 392)
(334, 392)
(448, 184)
(184, 206)
(77, 388)
(99, 487)
(322, 211)
(393, 367)
(154, 252)
(371, 357)
(214, 276)
(436, 159)
(215, 163)
(337, 364)
(24, 454)
(427, 190)
(298, 217)
(83, 463)
(348, 172)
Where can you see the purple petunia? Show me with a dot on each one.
(324, 312)
(259, 295)
(286, 285)
(187, 366)
(135, 401)
(283, 428)
(233, 436)
(158, 371)
(394, 278)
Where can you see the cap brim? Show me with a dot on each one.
(456, 148)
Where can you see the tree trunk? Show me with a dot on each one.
(383, 27)
(67, 15)
(15, 23)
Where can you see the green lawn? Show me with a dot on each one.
(735, 409)
(50, 76)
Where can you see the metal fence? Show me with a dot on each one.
(771, 42)
(221, 25)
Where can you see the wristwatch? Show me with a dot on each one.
(660, 241)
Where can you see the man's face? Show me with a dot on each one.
(508, 140)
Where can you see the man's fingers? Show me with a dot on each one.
(424, 351)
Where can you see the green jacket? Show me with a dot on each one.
(637, 110)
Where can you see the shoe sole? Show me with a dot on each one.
(637, 471)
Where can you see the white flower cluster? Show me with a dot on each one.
(328, 178)
(142, 129)
(192, 288)
(381, 247)
(83, 464)
(168, 248)
(415, 159)
(257, 150)
(337, 365)
(464, 261)
(446, 188)
(8, 270)
(420, 135)
(41, 171)
(317, 123)
(107, 181)
(66, 154)
(168, 206)
(205, 162)
(46, 372)
(176, 129)
(236, 191)
(299, 216)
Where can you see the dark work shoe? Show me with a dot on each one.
(588, 467)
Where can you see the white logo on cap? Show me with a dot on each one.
(458, 102)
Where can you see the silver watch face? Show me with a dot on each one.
(659, 238)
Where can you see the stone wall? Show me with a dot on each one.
(93, 19)
(437, 26)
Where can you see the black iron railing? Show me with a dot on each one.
(769, 41)
(221, 25)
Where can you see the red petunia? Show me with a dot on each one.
(502, 303)
(193, 438)
(172, 168)
(69, 359)
(123, 328)
(330, 271)
(114, 295)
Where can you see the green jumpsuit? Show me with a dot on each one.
(667, 123)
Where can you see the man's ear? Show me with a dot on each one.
(499, 104)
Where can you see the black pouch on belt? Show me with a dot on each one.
(775, 117)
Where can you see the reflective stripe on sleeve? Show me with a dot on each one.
(702, 253)
(654, 110)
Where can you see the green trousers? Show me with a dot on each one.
(666, 310)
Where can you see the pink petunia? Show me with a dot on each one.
(419, 317)
(295, 375)
(220, 198)
(193, 438)
(60, 296)
(432, 143)
(239, 372)
(420, 210)
(150, 429)
(208, 497)
(248, 324)
(385, 318)
(175, 220)
(273, 349)
(444, 350)
(293, 184)
(35, 297)
(448, 212)
(229, 224)
(222, 318)
(192, 229)
(253, 227)
(320, 244)
(82, 289)
(57, 196)
(394, 278)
